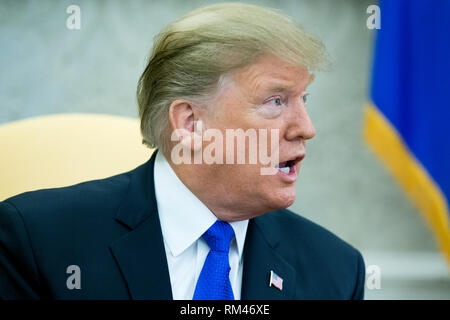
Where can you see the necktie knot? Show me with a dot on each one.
(219, 236)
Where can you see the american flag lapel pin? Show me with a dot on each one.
(276, 280)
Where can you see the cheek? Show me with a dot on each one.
(246, 183)
(242, 180)
(237, 114)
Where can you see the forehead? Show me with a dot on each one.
(273, 74)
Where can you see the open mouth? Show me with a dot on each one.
(288, 167)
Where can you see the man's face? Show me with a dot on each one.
(268, 94)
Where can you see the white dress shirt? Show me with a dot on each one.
(184, 219)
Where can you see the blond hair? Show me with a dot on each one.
(192, 54)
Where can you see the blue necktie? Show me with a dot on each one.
(214, 280)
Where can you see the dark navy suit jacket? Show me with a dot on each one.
(110, 228)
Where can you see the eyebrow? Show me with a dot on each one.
(277, 88)
(284, 88)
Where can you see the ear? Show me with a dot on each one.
(183, 117)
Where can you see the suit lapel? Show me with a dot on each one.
(140, 253)
(142, 260)
(260, 257)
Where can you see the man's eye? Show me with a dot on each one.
(305, 98)
(277, 101)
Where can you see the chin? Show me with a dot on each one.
(282, 199)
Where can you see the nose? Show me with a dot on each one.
(299, 125)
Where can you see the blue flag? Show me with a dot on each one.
(407, 120)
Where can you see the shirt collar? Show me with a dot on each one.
(184, 218)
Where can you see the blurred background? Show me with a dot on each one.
(47, 68)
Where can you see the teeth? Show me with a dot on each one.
(285, 169)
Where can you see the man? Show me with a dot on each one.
(181, 226)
